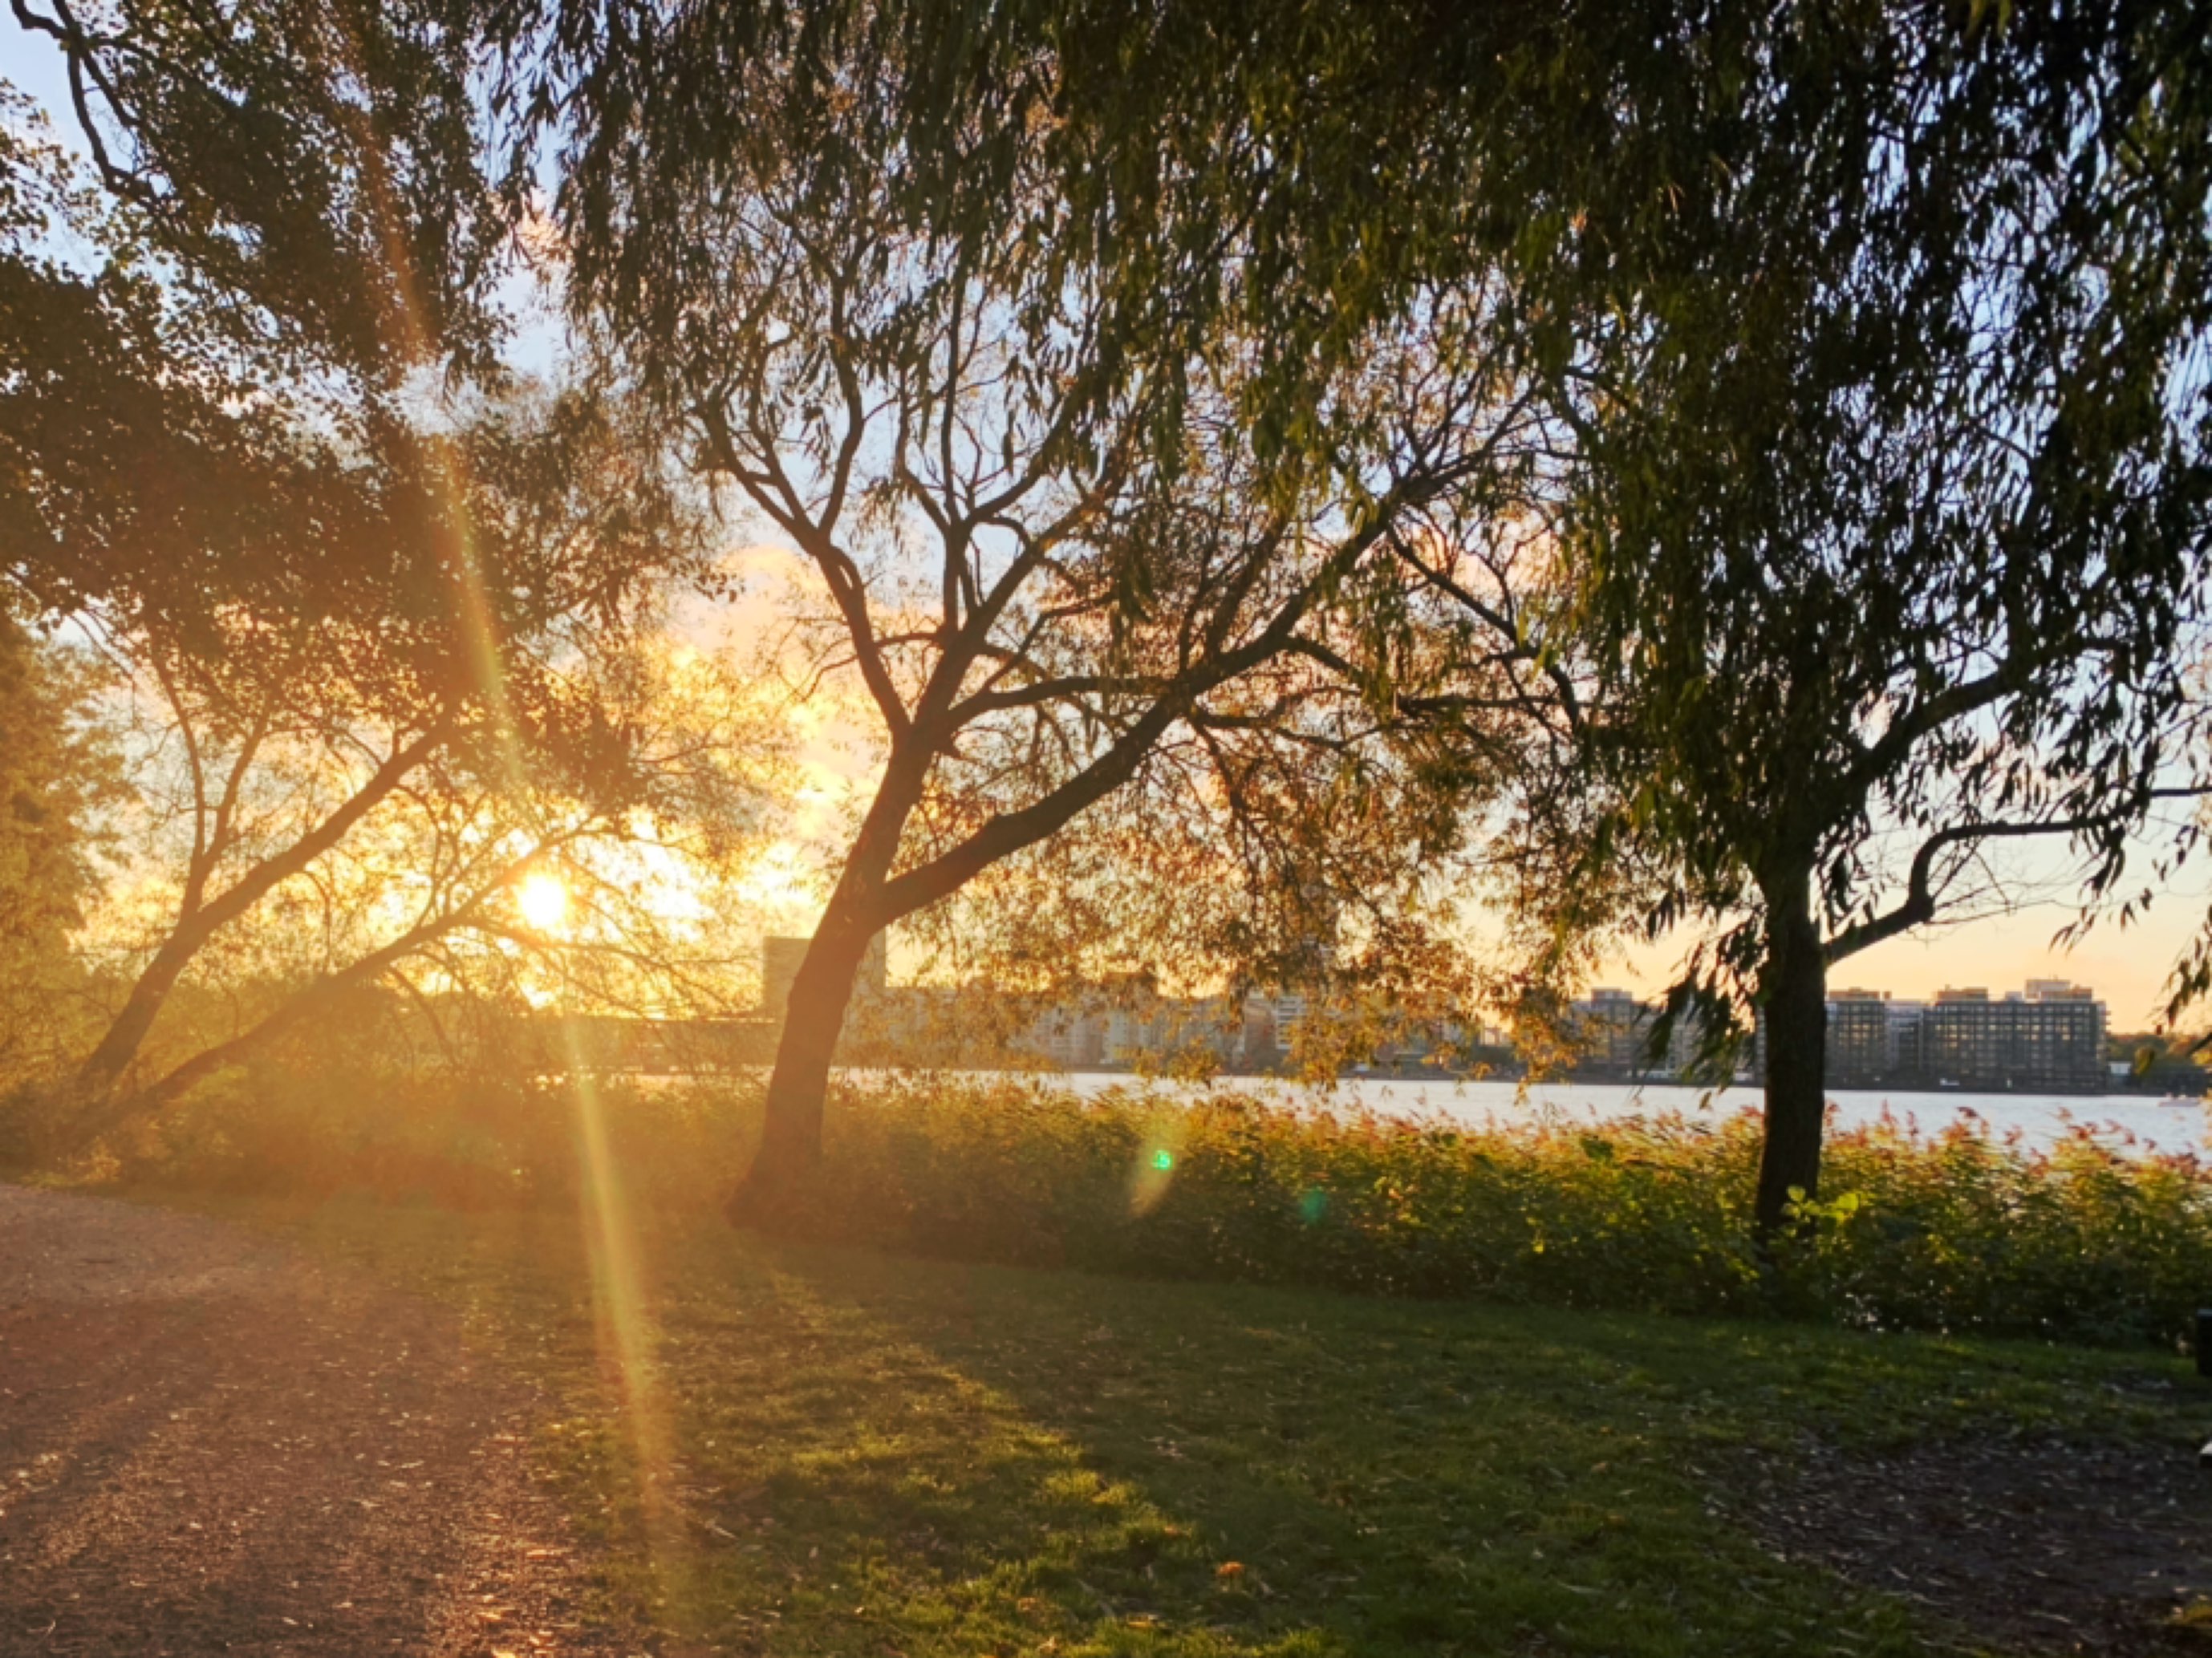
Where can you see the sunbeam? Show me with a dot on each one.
(620, 1317)
(625, 1329)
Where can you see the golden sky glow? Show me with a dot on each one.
(543, 899)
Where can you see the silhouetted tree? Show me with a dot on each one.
(1875, 344)
(245, 455)
(1050, 536)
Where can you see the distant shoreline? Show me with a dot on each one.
(1612, 1078)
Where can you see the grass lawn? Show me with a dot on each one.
(809, 1451)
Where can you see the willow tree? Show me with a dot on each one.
(1050, 537)
(1877, 339)
(281, 847)
(257, 438)
(1893, 488)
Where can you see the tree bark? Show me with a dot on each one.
(821, 992)
(118, 1045)
(1794, 1001)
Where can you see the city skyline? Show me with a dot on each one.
(2127, 967)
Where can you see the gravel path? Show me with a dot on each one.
(209, 1444)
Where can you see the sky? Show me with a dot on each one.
(2127, 966)
(32, 65)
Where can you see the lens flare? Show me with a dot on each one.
(628, 1334)
(1156, 1160)
(626, 1327)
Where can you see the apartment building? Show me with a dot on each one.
(2050, 1036)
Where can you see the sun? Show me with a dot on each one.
(543, 899)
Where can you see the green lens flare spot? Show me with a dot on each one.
(1163, 1160)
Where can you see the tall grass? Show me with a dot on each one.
(1955, 1231)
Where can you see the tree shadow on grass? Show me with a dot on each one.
(207, 1444)
(882, 1455)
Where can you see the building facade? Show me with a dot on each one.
(1861, 1050)
(2048, 1038)
(1614, 1029)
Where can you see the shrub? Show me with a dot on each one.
(1956, 1231)
(466, 1142)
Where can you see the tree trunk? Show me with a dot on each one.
(96, 1078)
(1794, 997)
(101, 1116)
(821, 992)
(200, 918)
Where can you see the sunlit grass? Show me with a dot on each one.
(866, 1455)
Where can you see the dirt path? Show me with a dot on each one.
(209, 1444)
(2029, 1541)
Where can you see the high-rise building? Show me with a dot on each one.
(780, 960)
(1907, 1024)
(1070, 1035)
(1610, 1026)
(1270, 1022)
(1615, 1029)
(2051, 1036)
(1859, 1049)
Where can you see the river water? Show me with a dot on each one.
(2130, 1122)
